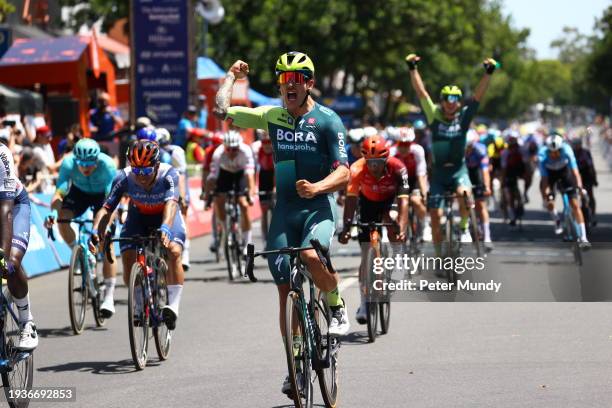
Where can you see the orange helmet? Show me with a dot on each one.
(374, 147)
(144, 153)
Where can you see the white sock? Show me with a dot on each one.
(486, 229)
(186, 251)
(109, 284)
(23, 308)
(249, 235)
(174, 297)
(582, 231)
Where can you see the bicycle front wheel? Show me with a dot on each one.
(21, 364)
(162, 335)
(138, 316)
(96, 301)
(78, 292)
(297, 348)
(327, 350)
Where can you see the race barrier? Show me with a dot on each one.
(45, 255)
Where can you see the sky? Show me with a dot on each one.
(546, 19)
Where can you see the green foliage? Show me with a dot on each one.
(6, 8)
(110, 10)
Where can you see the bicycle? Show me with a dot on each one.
(16, 366)
(377, 302)
(84, 279)
(452, 232)
(232, 234)
(571, 229)
(148, 294)
(315, 349)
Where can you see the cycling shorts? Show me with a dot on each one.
(140, 224)
(266, 180)
(563, 180)
(294, 224)
(477, 183)
(228, 181)
(21, 226)
(77, 201)
(372, 211)
(443, 182)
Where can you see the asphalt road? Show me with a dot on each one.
(227, 352)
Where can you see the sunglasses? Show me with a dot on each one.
(86, 163)
(292, 76)
(232, 149)
(376, 162)
(452, 98)
(143, 171)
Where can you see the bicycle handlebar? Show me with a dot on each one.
(322, 253)
(50, 232)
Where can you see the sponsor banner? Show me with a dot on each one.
(161, 66)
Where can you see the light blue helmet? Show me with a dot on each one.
(86, 150)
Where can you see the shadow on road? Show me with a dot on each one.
(355, 338)
(51, 333)
(98, 367)
(292, 406)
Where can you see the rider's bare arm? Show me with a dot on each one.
(336, 181)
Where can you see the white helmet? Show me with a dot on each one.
(554, 142)
(472, 137)
(232, 139)
(370, 131)
(356, 135)
(406, 135)
(391, 133)
(163, 137)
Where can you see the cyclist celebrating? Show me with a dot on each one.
(233, 169)
(14, 236)
(477, 162)
(152, 189)
(311, 163)
(376, 180)
(85, 179)
(513, 166)
(559, 169)
(412, 155)
(449, 124)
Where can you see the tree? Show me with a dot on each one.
(6, 8)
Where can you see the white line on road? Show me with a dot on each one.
(348, 282)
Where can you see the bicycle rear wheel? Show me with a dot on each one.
(138, 316)
(21, 375)
(161, 334)
(78, 291)
(297, 349)
(328, 376)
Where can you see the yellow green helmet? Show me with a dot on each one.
(295, 61)
(451, 90)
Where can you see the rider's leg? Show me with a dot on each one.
(176, 276)
(435, 214)
(65, 229)
(245, 220)
(483, 214)
(128, 257)
(578, 216)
